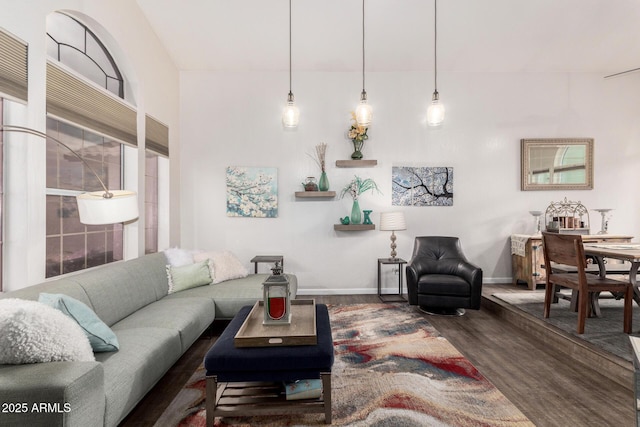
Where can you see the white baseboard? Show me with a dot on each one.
(352, 291)
(374, 291)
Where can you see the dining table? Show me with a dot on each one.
(629, 252)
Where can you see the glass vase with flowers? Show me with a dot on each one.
(358, 135)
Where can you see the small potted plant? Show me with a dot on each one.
(355, 188)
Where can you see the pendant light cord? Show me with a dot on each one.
(435, 45)
(363, 91)
(290, 93)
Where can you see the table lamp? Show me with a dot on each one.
(392, 221)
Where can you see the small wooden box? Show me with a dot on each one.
(301, 330)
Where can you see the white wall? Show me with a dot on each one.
(233, 118)
(153, 80)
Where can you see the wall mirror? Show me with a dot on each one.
(557, 164)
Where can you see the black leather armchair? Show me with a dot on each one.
(439, 277)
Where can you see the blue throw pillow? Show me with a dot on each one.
(100, 335)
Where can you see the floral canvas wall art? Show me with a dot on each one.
(422, 186)
(252, 192)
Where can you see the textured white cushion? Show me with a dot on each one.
(226, 265)
(33, 332)
(177, 257)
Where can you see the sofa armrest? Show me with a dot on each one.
(52, 394)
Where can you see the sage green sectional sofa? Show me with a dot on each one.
(153, 328)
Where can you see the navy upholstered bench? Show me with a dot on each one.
(241, 368)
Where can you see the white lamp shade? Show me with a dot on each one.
(392, 221)
(290, 115)
(435, 113)
(364, 114)
(97, 210)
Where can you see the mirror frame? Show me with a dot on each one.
(525, 146)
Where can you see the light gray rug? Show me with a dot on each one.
(604, 332)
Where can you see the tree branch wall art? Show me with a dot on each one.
(422, 186)
(252, 192)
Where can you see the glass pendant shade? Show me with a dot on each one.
(290, 114)
(435, 112)
(364, 113)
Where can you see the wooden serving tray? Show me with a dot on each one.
(301, 330)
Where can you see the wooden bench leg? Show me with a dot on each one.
(326, 395)
(211, 398)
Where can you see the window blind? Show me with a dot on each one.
(13, 67)
(157, 136)
(82, 103)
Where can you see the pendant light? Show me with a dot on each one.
(435, 112)
(364, 114)
(290, 114)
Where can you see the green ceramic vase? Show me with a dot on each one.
(356, 213)
(323, 184)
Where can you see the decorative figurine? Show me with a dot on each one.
(345, 220)
(367, 219)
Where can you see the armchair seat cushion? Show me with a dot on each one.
(443, 284)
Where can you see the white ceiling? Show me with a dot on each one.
(601, 36)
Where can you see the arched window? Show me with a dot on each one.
(71, 245)
(76, 46)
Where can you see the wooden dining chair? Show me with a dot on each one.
(568, 250)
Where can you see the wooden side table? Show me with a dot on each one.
(391, 297)
(527, 260)
(267, 258)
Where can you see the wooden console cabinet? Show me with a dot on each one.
(527, 261)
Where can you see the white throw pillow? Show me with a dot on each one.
(177, 257)
(33, 332)
(226, 265)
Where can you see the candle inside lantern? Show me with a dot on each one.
(277, 307)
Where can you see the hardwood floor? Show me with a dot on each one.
(546, 385)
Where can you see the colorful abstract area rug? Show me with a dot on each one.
(392, 368)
